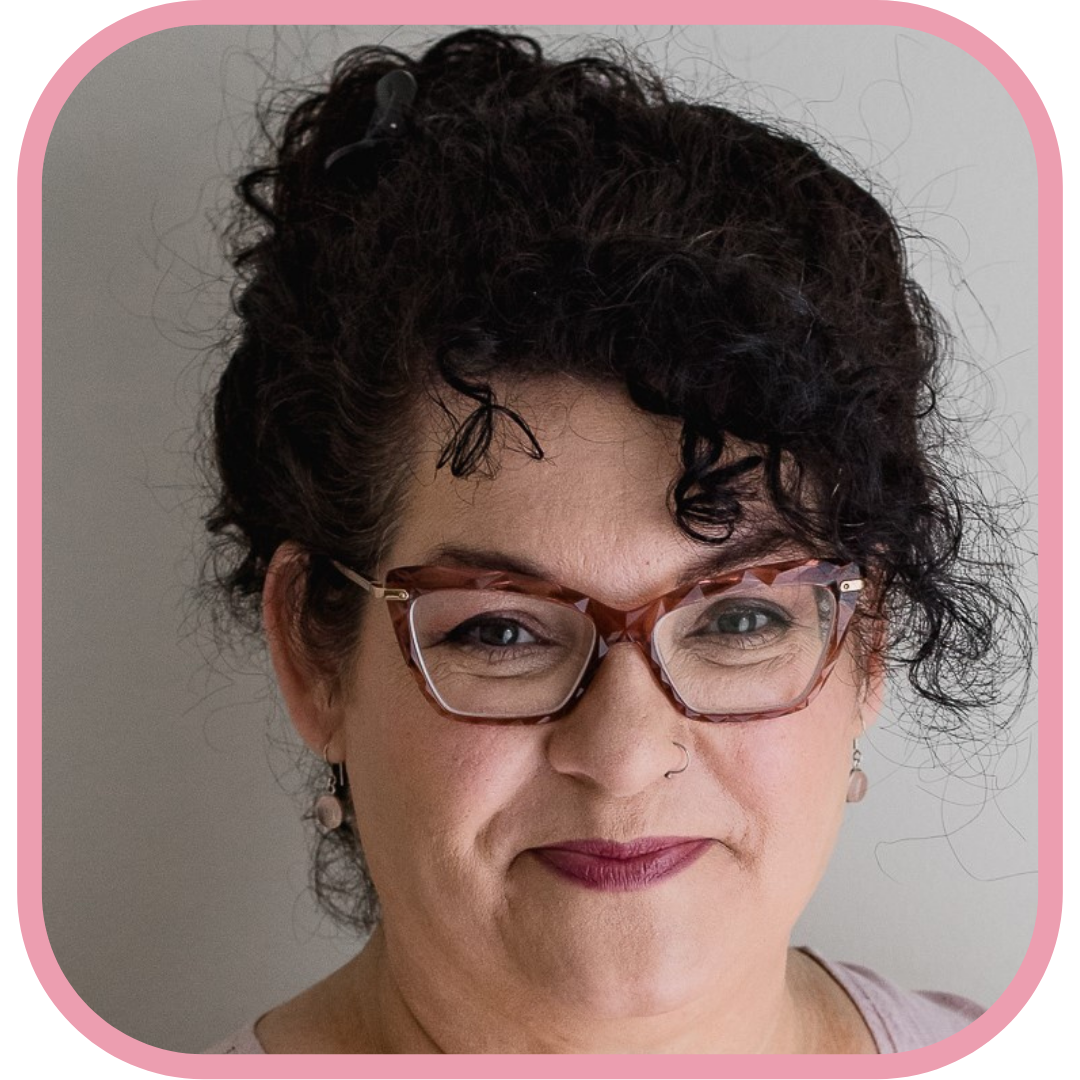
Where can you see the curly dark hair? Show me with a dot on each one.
(532, 218)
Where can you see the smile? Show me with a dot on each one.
(613, 867)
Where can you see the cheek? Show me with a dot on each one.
(792, 777)
(425, 788)
(803, 760)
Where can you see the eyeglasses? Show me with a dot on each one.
(491, 646)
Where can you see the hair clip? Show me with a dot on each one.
(394, 93)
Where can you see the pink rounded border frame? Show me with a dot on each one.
(825, 12)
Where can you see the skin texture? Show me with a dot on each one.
(482, 947)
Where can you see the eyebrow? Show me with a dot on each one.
(736, 554)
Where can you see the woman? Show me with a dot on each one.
(623, 409)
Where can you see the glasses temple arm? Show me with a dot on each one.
(377, 590)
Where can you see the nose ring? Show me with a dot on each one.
(686, 765)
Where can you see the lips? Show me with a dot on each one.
(613, 867)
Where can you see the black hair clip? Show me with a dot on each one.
(394, 93)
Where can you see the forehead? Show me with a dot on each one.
(591, 515)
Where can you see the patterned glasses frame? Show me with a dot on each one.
(403, 585)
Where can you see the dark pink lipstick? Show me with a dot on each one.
(614, 867)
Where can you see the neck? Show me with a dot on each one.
(762, 1008)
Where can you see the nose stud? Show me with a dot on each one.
(686, 764)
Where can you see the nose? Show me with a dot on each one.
(620, 737)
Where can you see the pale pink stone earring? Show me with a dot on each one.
(857, 782)
(329, 809)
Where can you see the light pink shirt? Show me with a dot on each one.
(898, 1019)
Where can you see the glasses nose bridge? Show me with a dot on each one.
(614, 626)
(617, 627)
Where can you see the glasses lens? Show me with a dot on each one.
(751, 649)
(499, 654)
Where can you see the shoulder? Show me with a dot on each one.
(901, 1019)
(243, 1041)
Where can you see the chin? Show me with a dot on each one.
(623, 990)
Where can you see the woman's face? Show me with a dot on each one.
(451, 815)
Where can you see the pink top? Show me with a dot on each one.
(898, 1019)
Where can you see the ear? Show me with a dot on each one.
(872, 691)
(308, 696)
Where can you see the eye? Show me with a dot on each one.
(741, 622)
(492, 632)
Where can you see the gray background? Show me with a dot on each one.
(175, 864)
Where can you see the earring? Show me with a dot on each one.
(329, 809)
(857, 782)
